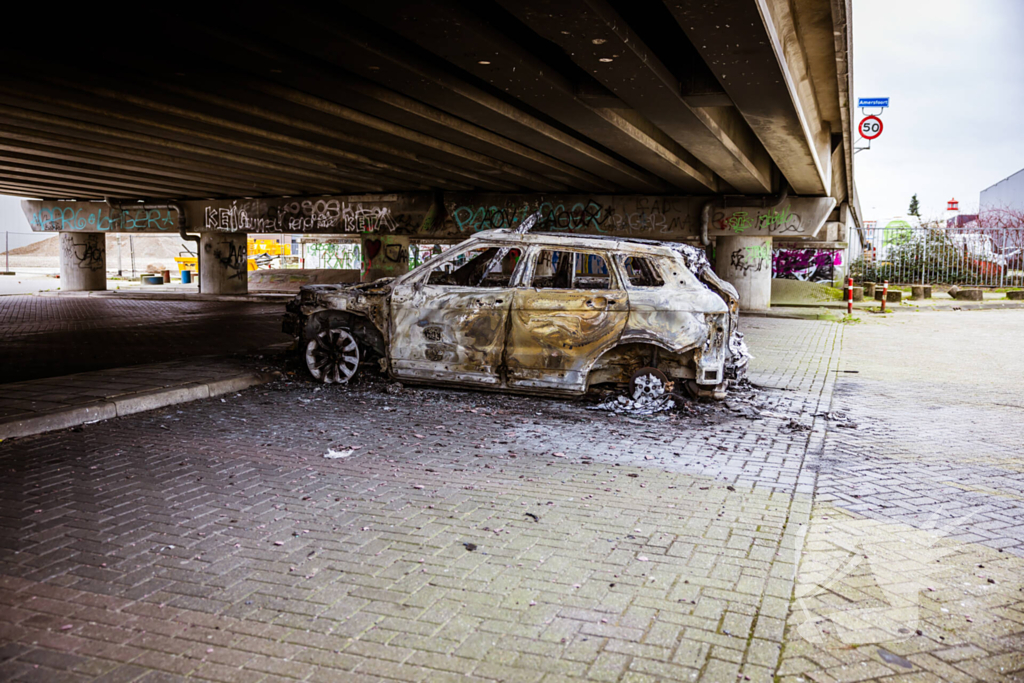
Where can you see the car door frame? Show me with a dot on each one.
(568, 344)
(450, 333)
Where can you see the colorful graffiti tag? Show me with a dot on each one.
(807, 265)
(94, 217)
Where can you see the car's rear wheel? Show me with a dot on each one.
(648, 383)
(332, 356)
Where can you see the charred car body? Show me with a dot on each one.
(543, 314)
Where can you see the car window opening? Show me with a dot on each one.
(570, 270)
(642, 272)
(490, 267)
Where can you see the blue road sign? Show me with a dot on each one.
(873, 102)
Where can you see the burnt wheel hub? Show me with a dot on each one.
(332, 356)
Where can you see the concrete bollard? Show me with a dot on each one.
(858, 293)
(893, 296)
(1016, 296)
(968, 295)
(869, 289)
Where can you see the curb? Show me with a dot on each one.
(833, 310)
(128, 404)
(789, 315)
(989, 306)
(269, 297)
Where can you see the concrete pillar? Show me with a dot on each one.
(223, 264)
(746, 263)
(384, 255)
(83, 261)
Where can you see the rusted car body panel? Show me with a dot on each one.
(525, 332)
(448, 336)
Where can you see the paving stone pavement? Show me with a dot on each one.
(916, 546)
(42, 405)
(483, 537)
(52, 336)
(216, 541)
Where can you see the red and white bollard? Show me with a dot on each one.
(885, 293)
(849, 297)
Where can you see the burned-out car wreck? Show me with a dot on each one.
(542, 314)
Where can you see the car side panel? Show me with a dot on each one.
(555, 335)
(449, 334)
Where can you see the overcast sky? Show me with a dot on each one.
(954, 70)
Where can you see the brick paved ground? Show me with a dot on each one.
(916, 547)
(215, 540)
(483, 537)
(43, 336)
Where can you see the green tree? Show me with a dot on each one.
(915, 207)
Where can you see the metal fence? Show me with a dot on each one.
(943, 256)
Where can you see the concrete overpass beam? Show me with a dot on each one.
(601, 42)
(746, 263)
(83, 261)
(754, 49)
(223, 266)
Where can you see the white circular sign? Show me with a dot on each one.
(870, 127)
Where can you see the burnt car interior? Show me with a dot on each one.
(490, 267)
(570, 270)
(641, 272)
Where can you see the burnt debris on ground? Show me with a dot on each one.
(667, 403)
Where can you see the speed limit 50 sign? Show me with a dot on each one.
(870, 127)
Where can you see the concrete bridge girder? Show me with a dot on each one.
(387, 224)
(568, 96)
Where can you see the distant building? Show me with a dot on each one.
(1006, 194)
(961, 219)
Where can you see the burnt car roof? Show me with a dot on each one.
(505, 235)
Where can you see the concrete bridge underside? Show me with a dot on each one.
(441, 115)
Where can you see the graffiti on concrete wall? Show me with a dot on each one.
(95, 217)
(85, 251)
(751, 259)
(620, 216)
(232, 256)
(807, 265)
(308, 215)
(332, 255)
(451, 216)
(771, 220)
(396, 214)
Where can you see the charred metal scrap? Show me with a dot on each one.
(541, 314)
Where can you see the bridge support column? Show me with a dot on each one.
(384, 255)
(746, 263)
(223, 266)
(83, 261)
